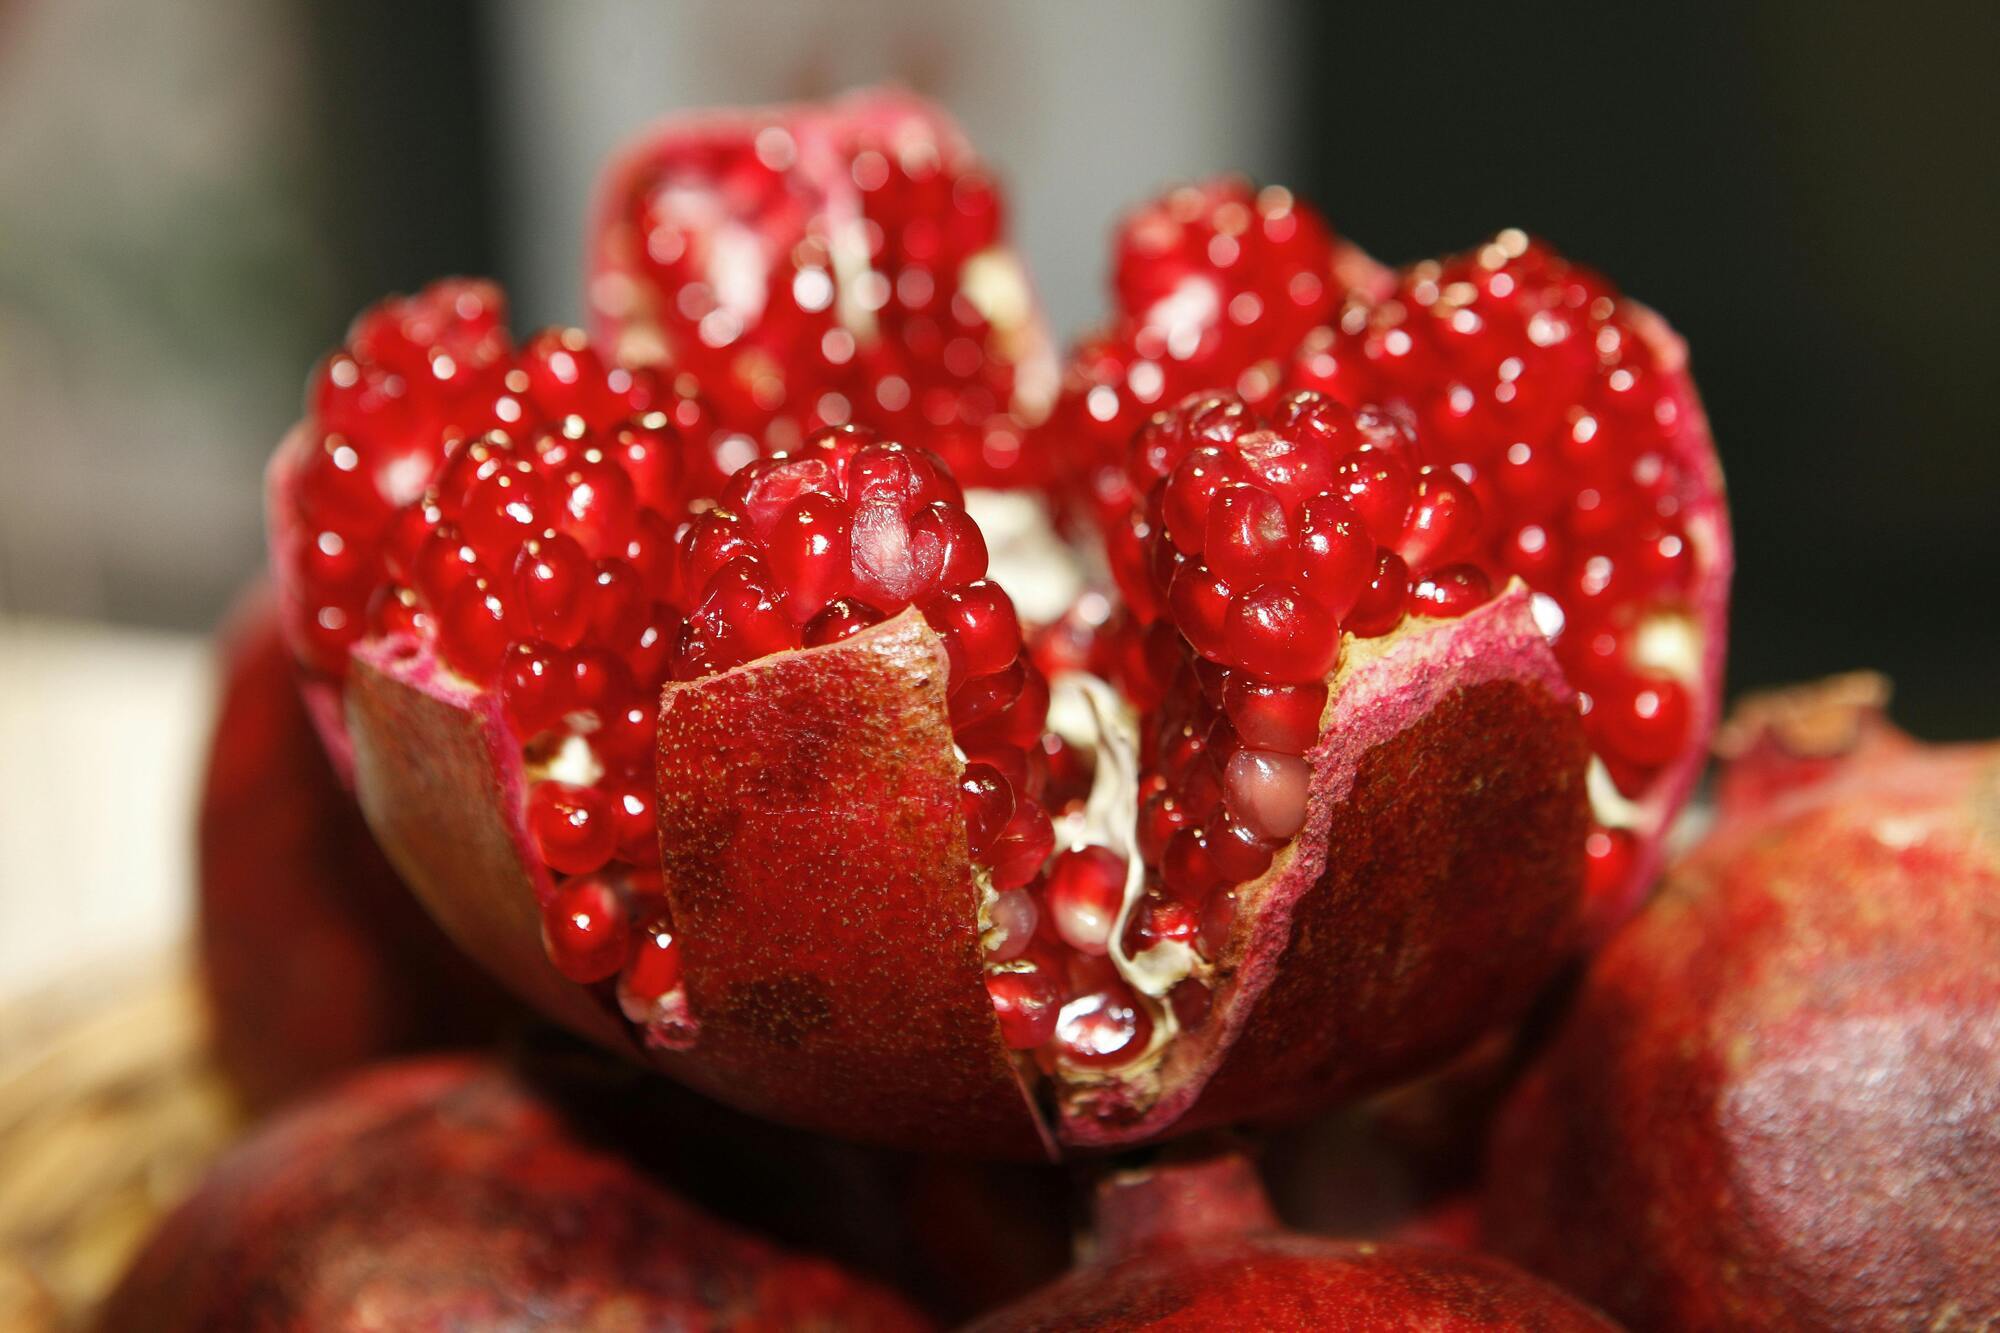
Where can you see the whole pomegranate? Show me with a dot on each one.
(450, 1193)
(314, 956)
(760, 780)
(1776, 1104)
(1193, 1246)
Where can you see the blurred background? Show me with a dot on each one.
(194, 200)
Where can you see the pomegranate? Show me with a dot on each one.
(314, 956)
(1193, 1245)
(450, 1192)
(1776, 1103)
(763, 781)
(822, 264)
(1558, 439)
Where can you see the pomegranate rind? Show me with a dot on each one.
(1193, 1244)
(815, 857)
(1774, 1104)
(439, 778)
(454, 1193)
(621, 300)
(1390, 912)
(314, 957)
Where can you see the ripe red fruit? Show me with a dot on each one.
(1775, 1104)
(313, 954)
(450, 1193)
(827, 264)
(1345, 859)
(1194, 1245)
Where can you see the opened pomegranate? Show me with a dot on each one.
(1558, 439)
(314, 956)
(756, 779)
(1776, 1104)
(814, 265)
(1193, 1245)
(452, 1193)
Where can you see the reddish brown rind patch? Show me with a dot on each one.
(313, 955)
(1389, 936)
(1776, 1104)
(438, 779)
(1415, 927)
(1194, 1246)
(854, 1006)
(454, 1194)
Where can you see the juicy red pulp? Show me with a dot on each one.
(515, 509)
(816, 269)
(1523, 427)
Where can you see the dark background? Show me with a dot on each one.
(1806, 191)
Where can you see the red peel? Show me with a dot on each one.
(1193, 1244)
(1773, 1104)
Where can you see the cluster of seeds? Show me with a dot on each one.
(517, 507)
(796, 301)
(1528, 376)
(1261, 542)
(1216, 286)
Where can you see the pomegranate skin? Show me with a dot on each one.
(450, 1193)
(1195, 1248)
(1776, 1104)
(833, 974)
(314, 957)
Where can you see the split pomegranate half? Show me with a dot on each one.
(762, 780)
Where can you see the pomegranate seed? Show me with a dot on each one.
(1236, 850)
(1283, 718)
(1103, 1029)
(1380, 608)
(1608, 857)
(1086, 889)
(552, 576)
(1027, 1005)
(988, 801)
(573, 827)
(597, 504)
(1335, 555)
(585, 930)
(653, 971)
(1645, 723)
(474, 631)
(810, 556)
(1014, 917)
(1021, 847)
(1267, 791)
(1276, 633)
(1444, 522)
(1450, 592)
(978, 626)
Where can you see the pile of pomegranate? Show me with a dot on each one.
(805, 684)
